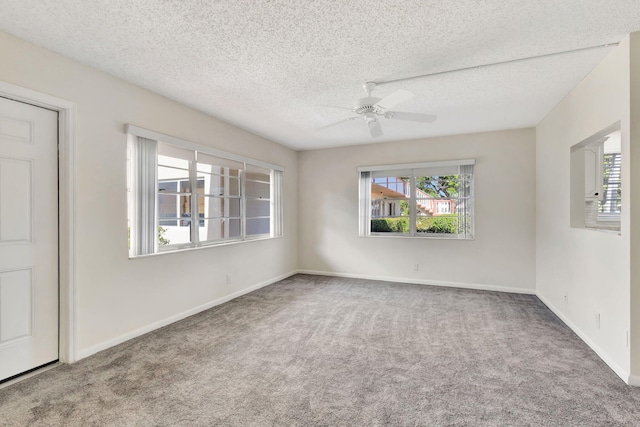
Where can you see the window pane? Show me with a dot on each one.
(219, 206)
(437, 186)
(256, 173)
(218, 170)
(168, 186)
(174, 234)
(390, 204)
(258, 208)
(184, 210)
(438, 203)
(172, 206)
(217, 229)
(217, 185)
(256, 189)
(167, 208)
(389, 208)
(167, 204)
(172, 162)
(611, 201)
(218, 165)
(441, 224)
(390, 187)
(256, 226)
(185, 186)
(168, 151)
(167, 173)
(390, 225)
(174, 217)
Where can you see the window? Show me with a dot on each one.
(183, 195)
(432, 199)
(596, 181)
(609, 206)
(220, 203)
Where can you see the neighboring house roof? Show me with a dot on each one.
(381, 192)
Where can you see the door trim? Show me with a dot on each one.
(67, 112)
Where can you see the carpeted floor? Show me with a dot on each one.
(319, 351)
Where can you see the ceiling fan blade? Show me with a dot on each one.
(414, 117)
(335, 106)
(374, 128)
(401, 95)
(338, 123)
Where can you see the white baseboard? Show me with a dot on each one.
(624, 375)
(171, 319)
(424, 282)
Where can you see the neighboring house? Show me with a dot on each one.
(388, 193)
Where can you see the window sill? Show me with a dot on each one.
(204, 246)
(433, 236)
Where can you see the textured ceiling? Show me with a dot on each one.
(269, 66)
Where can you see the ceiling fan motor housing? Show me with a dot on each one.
(366, 105)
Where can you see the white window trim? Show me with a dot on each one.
(140, 224)
(464, 162)
(149, 134)
(364, 173)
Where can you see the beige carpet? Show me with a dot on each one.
(318, 351)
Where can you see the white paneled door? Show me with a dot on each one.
(28, 237)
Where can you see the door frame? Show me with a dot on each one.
(67, 112)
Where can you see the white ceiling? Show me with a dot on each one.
(270, 65)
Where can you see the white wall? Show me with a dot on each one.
(502, 254)
(116, 295)
(591, 267)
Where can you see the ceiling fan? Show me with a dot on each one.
(370, 108)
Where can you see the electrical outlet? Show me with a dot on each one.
(228, 279)
(416, 267)
(598, 320)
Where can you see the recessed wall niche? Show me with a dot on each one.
(596, 181)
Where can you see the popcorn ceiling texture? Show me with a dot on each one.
(269, 66)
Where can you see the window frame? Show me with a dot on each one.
(586, 181)
(409, 170)
(247, 198)
(143, 228)
(617, 185)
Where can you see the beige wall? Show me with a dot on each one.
(502, 254)
(116, 295)
(590, 267)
